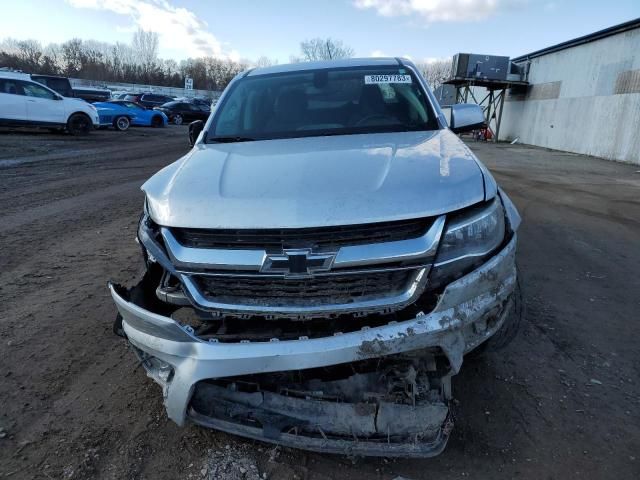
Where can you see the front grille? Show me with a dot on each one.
(316, 291)
(320, 238)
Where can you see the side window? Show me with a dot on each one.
(33, 90)
(12, 87)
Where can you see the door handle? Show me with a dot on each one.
(29, 100)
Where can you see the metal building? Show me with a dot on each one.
(484, 80)
(583, 96)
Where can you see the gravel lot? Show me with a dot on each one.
(562, 401)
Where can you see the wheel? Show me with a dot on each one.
(177, 119)
(122, 123)
(79, 124)
(156, 121)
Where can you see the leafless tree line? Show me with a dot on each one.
(138, 62)
(435, 72)
(322, 49)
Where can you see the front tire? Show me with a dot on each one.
(157, 121)
(79, 124)
(122, 123)
(177, 119)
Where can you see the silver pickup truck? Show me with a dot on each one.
(320, 262)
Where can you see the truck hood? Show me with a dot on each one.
(316, 181)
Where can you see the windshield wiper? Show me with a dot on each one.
(230, 139)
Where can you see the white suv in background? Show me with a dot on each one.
(26, 103)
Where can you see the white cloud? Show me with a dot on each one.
(433, 11)
(175, 26)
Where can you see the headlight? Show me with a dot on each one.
(467, 241)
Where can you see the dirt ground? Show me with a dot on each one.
(562, 401)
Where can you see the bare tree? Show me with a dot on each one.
(52, 57)
(30, 51)
(324, 49)
(72, 56)
(145, 47)
(435, 72)
(264, 61)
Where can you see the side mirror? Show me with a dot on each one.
(194, 130)
(466, 117)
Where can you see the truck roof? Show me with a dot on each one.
(347, 62)
(14, 74)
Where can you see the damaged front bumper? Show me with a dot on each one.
(227, 385)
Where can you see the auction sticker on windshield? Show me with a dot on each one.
(371, 79)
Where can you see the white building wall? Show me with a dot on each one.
(585, 99)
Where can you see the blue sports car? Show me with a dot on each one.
(113, 112)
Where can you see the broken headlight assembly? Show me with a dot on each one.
(470, 237)
(151, 242)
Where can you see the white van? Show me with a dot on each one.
(24, 102)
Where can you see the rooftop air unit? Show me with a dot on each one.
(479, 67)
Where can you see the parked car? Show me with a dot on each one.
(115, 116)
(148, 99)
(119, 95)
(92, 95)
(321, 261)
(62, 85)
(28, 103)
(140, 115)
(180, 112)
(202, 101)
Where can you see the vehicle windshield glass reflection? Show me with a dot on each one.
(324, 102)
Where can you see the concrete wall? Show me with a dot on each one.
(585, 99)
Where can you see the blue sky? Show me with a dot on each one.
(420, 29)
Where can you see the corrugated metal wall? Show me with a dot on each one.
(585, 99)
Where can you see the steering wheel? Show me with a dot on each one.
(366, 119)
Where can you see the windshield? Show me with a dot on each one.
(337, 101)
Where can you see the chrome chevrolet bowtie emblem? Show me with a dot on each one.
(301, 262)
